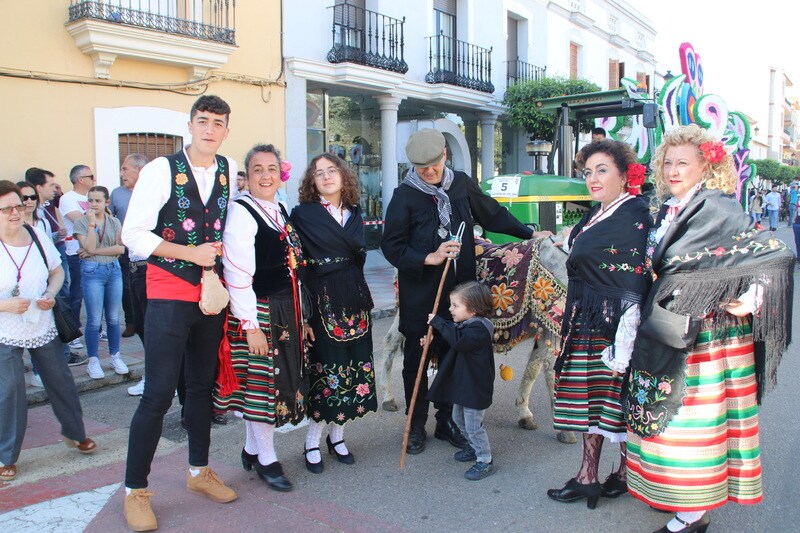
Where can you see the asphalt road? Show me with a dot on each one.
(431, 494)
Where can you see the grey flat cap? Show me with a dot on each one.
(425, 147)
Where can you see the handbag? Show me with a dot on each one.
(672, 329)
(213, 295)
(67, 324)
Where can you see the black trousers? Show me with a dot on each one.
(127, 304)
(412, 353)
(138, 280)
(176, 330)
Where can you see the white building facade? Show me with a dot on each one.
(362, 75)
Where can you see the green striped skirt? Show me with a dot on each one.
(587, 394)
(273, 388)
(709, 454)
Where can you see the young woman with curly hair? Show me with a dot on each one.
(342, 379)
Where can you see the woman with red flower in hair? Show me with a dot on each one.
(608, 280)
(713, 328)
(341, 375)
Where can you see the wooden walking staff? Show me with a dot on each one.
(424, 356)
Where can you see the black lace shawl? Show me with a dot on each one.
(335, 257)
(710, 254)
(607, 273)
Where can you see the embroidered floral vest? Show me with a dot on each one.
(185, 220)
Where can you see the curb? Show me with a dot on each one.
(37, 395)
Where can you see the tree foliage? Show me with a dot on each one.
(540, 125)
(771, 170)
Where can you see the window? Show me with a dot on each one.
(444, 13)
(613, 74)
(613, 25)
(350, 19)
(574, 49)
(643, 80)
(150, 144)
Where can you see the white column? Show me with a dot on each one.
(296, 139)
(488, 120)
(389, 105)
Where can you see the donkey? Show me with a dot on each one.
(542, 356)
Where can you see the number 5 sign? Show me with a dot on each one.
(505, 187)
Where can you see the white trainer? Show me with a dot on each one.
(137, 390)
(94, 369)
(36, 381)
(76, 344)
(118, 364)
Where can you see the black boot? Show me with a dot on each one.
(416, 440)
(273, 475)
(448, 431)
(613, 486)
(574, 491)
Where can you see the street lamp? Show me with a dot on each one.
(536, 149)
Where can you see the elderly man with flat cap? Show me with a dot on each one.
(425, 210)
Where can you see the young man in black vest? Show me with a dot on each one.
(176, 217)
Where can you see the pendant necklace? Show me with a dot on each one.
(15, 290)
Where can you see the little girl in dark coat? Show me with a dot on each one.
(466, 373)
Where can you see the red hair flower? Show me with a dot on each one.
(635, 174)
(713, 152)
(285, 168)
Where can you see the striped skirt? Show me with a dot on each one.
(709, 454)
(586, 391)
(272, 387)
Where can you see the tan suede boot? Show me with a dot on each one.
(209, 485)
(138, 512)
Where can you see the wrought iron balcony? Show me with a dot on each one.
(459, 63)
(517, 70)
(367, 38)
(212, 20)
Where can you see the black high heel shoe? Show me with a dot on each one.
(273, 475)
(613, 486)
(248, 460)
(699, 526)
(574, 491)
(347, 459)
(314, 468)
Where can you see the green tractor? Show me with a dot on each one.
(553, 201)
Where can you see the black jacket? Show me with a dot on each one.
(466, 372)
(410, 234)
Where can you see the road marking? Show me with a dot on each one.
(68, 514)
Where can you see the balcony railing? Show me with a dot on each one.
(367, 38)
(517, 70)
(212, 20)
(459, 63)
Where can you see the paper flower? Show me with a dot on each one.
(713, 152)
(286, 167)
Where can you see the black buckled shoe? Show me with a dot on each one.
(574, 491)
(314, 468)
(347, 458)
(699, 526)
(416, 440)
(273, 475)
(613, 486)
(448, 431)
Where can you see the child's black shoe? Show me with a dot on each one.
(465, 455)
(480, 470)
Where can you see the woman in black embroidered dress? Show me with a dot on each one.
(341, 373)
(261, 253)
(695, 377)
(607, 283)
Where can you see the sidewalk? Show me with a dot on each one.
(380, 278)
